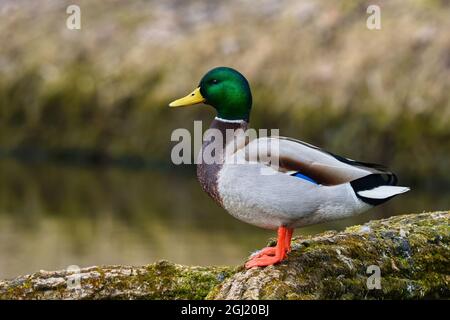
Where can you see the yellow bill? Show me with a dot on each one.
(193, 98)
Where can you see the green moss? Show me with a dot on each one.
(164, 280)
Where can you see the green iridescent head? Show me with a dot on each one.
(226, 90)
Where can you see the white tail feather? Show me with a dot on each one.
(383, 192)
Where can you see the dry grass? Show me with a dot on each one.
(316, 72)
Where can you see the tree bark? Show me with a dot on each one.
(403, 257)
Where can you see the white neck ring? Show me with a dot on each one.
(230, 121)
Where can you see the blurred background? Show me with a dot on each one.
(85, 170)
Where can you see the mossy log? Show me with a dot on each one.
(411, 251)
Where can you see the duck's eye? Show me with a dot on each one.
(214, 81)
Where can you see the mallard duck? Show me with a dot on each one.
(308, 186)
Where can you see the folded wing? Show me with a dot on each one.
(324, 167)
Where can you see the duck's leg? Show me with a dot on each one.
(270, 251)
(289, 233)
(280, 252)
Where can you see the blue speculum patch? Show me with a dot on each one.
(302, 176)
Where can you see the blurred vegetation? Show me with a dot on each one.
(316, 71)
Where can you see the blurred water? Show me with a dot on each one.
(53, 216)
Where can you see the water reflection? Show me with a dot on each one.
(53, 216)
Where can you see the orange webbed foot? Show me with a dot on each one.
(268, 251)
(263, 261)
(273, 255)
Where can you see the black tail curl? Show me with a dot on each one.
(372, 181)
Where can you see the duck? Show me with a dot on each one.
(308, 185)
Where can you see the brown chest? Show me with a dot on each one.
(208, 174)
